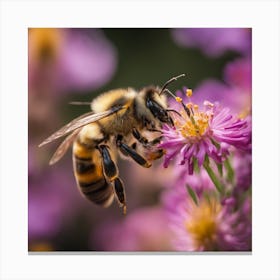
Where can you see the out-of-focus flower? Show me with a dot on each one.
(62, 61)
(235, 93)
(214, 41)
(199, 183)
(40, 247)
(242, 166)
(142, 230)
(197, 133)
(208, 225)
(238, 74)
(69, 59)
(51, 203)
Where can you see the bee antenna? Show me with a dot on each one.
(170, 93)
(169, 82)
(79, 103)
(174, 111)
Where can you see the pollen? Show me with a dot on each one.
(189, 92)
(203, 223)
(178, 99)
(194, 126)
(189, 105)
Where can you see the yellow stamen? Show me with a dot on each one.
(189, 105)
(203, 223)
(195, 126)
(189, 92)
(178, 99)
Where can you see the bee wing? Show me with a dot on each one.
(79, 122)
(63, 147)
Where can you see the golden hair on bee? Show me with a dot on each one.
(116, 126)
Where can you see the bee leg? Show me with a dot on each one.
(134, 146)
(144, 141)
(120, 193)
(126, 150)
(154, 153)
(109, 167)
(156, 140)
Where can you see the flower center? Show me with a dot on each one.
(195, 126)
(202, 225)
(192, 123)
(44, 42)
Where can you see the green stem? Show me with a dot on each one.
(230, 171)
(213, 176)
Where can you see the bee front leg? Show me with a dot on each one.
(153, 152)
(127, 150)
(143, 140)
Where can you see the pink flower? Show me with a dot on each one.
(51, 203)
(214, 41)
(142, 230)
(198, 133)
(235, 92)
(62, 59)
(209, 224)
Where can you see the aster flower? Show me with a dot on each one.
(214, 41)
(63, 59)
(142, 230)
(51, 203)
(236, 90)
(208, 224)
(242, 165)
(238, 74)
(202, 134)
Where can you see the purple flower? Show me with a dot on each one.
(235, 93)
(209, 224)
(142, 230)
(198, 133)
(51, 203)
(242, 165)
(199, 183)
(215, 41)
(69, 59)
(87, 62)
(238, 74)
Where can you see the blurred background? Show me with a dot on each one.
(77, 65)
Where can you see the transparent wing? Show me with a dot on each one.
(79, 122)
(64, 146)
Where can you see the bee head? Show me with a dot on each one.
(157, 104)
(153, 103)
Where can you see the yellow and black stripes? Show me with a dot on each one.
(89, 175)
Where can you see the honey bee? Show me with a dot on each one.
(116, 125)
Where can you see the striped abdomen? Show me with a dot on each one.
(89, 175)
